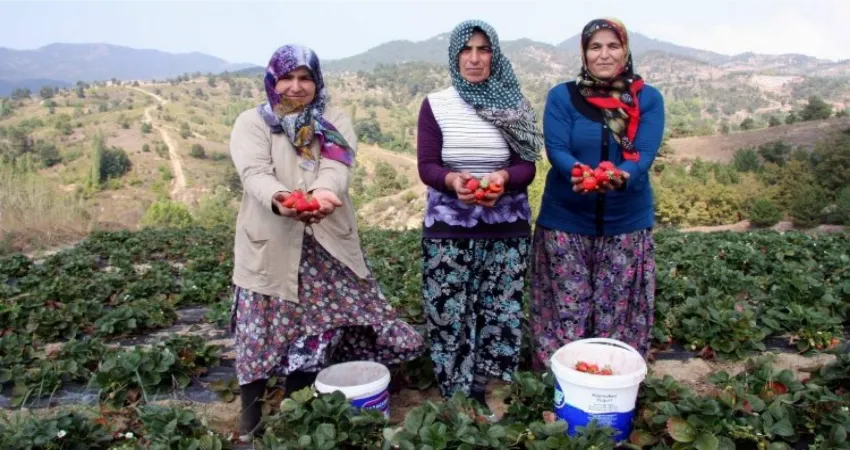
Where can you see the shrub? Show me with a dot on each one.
(165, 213)
(198, 151)
(764, 213)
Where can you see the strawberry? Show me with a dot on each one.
(581, 366)
(777, 388)
(479, 194)
(601, 176)
(313, 204)
(301, 205)
(577, 172)
(472, 184)
(290, 201)
(606, 165)
(589, 184)
(606, 371)
(496, 188)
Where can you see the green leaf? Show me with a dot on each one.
(778, 446)
(706, 441)
(303, 396)
(777, 410)
(305, 440)
(389, 433)
(210, 443)
(413, 421)
(724, 443)
(680, 430)
(838, 434)
(555, 428)
(434, 435)
(783, 428)
(757, 403)
(289, 405)
(496, 432)
(183, 380)
(327, 430)
(771, 323)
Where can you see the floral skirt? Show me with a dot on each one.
(339, 317)
(472, 290)
(588, 286)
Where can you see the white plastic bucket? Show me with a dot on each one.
(609, 399)
(365, 383)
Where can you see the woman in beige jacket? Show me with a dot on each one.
(303, 294)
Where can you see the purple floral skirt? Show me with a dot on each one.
(588, 286)
(339, 317)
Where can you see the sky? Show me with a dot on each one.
(249, 32)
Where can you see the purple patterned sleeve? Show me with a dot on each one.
(429, 148)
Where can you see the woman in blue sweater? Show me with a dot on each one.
(593, 254)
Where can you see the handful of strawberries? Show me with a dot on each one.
(592, 179)
(300, 202)
(482, 186)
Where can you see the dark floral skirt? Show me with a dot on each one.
(339, 317)
(472, 290)
(588, 286)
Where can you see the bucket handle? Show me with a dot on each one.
(612, 342)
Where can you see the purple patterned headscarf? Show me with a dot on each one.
(302, 123)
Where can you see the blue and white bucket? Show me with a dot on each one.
(365, 383)
(609, 399)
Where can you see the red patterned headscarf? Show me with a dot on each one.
(617, 97)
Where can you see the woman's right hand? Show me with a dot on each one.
(456, 181)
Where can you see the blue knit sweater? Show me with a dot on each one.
(573, 131)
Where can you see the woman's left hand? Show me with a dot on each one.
(498, 178)
(328, 203)
(614, 184)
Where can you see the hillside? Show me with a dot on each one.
(641, 44)
(175, 134)
(565, 56)
(720, 148)
(69, 63)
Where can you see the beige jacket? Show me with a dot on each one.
(267, 249)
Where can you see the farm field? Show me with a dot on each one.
(121, 342)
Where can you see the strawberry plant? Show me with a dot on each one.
(164, 428)
(66, 430)
(132, 375)
(136, 317)
(721, 327)
(395, 259)
(530, 397)
(75, 361)
(322, 422)
(456, 423)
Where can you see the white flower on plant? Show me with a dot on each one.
(128, 435)
(61, 434)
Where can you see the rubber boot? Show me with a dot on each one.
(296, 381)
(251, 395)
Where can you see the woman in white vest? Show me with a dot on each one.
(476, 240)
